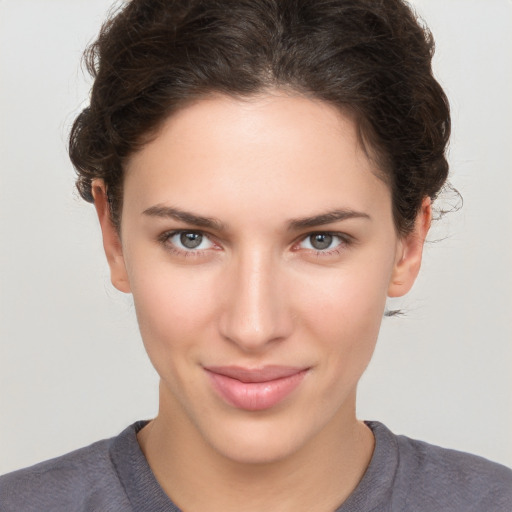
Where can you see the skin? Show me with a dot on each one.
(258, 293)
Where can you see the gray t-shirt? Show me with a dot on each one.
(403, 475)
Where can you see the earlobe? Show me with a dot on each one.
(410, 252)
(111, 241)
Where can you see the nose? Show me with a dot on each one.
(256, 310)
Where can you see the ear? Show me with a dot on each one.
(409, 253)
(111, 240)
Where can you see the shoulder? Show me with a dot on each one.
(435, 478)
(82, 480)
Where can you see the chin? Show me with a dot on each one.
(262, 438)
(252, 448)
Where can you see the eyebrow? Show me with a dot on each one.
(186, 217)
(326, 218)
(215, 224)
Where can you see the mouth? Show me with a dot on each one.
(255, 389)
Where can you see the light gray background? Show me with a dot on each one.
(72, 367)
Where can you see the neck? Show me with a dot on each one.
(319, 476)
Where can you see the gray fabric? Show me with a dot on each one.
(404, 475)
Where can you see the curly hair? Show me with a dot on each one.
(371, 58)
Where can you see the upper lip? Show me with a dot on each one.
(262, 374)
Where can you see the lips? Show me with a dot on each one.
(255, 389)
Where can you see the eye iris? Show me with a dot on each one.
(321, 241)
(191, 240)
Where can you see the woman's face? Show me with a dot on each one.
(259, 246)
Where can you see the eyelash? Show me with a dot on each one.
(345, 241)
(165, 238)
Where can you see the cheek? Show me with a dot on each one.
(345, 300)
(342, 314)
(172, 307)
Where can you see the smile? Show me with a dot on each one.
(255, 390)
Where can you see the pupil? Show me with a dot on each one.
(191, 240)
(321, 241)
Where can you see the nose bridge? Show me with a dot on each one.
(256, 310)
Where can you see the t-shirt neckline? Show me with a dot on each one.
(146, 495)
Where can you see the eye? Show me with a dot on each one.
(322, 242)
(189, 241)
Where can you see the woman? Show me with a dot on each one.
(263, 173)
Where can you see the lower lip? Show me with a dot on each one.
(255, 396)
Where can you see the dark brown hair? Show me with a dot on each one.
(371, 58)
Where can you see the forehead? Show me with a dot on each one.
(274, 151)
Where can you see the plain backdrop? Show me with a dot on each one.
(72, 366)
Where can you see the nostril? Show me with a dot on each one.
(253, 325)
(255, 310)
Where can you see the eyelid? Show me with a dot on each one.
(165, 238)
(171, 232)
(345, 241)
